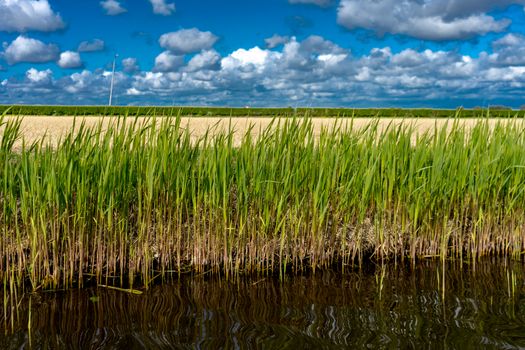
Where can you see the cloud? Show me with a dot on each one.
(410, 77)
(161, 7)
(90, 87)
(130, 65)
(322, 3)
(304, 56)
(187, 41)
(429, 20)
(112, 7)
(241, 57)
(77, 83)
(83, 81)
(511, 39)
(70, 59)
(26, 15)
(168, 62)
(509, 50)
(206, 60)
(91, 46)
(506, 74)
(245, 64)
(133, 92)
(43, 77)
(461, 8)
(313, 71)
(276, 40)
(24, 49)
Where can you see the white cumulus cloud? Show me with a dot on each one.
(429, 20)
(70, 59)
(276, 40)
(26, 15)
(130, 65)
(162, 7)
(187, 41)
(304, 55)
(313, 71)
(206, 60)
(506, 74)
(91, 45)
(511, 39)
(39, 76)
(509, 50)
(241, 57)
(168, 62)
(24, 49)
(112, 7)
(134, 92)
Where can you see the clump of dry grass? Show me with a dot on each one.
(130, 201)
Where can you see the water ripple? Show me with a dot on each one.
(386, 308)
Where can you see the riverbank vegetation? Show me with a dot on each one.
(132, 202)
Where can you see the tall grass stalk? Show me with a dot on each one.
(125, 203)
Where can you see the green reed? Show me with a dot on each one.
(128, 203)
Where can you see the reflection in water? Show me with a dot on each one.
(461, 307)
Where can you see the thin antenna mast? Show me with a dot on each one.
(112, 80)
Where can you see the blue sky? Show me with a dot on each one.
(337, 53)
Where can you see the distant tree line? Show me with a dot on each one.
(498, 108)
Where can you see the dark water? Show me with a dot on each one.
(427, 307)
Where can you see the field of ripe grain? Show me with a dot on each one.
(55, 127)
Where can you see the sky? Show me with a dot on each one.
(259, 53)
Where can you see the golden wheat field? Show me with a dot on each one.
(53, 127)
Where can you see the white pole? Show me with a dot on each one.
(112, 80)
